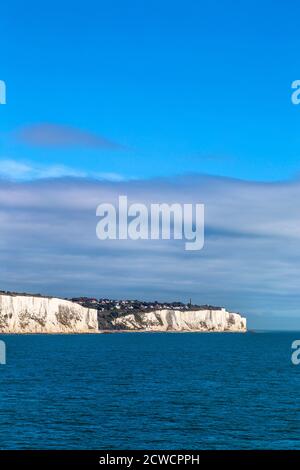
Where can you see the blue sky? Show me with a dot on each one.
(183, 86)
(163, 100)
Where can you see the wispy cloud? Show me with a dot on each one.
(55, 135)
(13, 170)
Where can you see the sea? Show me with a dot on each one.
(150, 391)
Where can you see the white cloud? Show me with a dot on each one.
(21, 171)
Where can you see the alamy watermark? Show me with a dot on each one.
(295, 358)
(2, 353)
(2, 92)
(152, 222)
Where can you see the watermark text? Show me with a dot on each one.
(139, 221)
(2, 92)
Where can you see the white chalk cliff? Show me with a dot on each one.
(35, 314)
(177, 320)
(32, 314)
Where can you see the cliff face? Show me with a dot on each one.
(29, 314)
(176, 320)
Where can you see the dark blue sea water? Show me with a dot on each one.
(152, 391)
